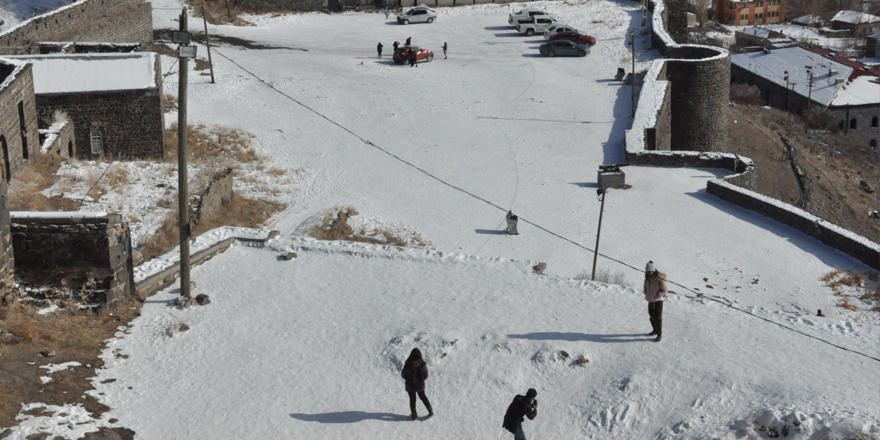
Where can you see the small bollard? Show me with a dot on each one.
(511, 223)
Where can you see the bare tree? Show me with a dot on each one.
(701, 9)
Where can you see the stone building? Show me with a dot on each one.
(109, 21)
(858, 24)
(842, 88)
(762, 37)
(114, 101)
(19, 135)
(746, 12)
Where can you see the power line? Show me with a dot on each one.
(462, 190)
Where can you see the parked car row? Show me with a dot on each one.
(562, 38)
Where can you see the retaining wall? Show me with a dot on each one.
(663, 110)
(110, 21)
(7, 256)
(74, 247)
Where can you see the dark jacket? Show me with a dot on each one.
(408, 374)
(519, 408)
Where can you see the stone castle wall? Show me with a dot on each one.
(75, 247)
(111, 21)
(686, 96)
(7, 256)
(17, 147)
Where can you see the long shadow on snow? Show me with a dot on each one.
(613, 148)
(827, 255)
(490, 231)
(499, 28)
(349, 417)
(575, 337)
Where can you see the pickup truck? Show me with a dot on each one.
(524, 15)
(537, 24)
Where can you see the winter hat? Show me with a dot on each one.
(650, 267)
(531, 393)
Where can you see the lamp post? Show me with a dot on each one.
(601, 192)
(185, 51)
(632, 41)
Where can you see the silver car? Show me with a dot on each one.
(564, 47)
(419, 14)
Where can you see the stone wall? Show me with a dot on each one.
(111, 21)
(302, 5)
(58, 139)
(700, 78)
(76, 248)
(7, 256)
(653, 123)
(216, 194)
(17, 146)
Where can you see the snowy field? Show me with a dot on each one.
(311, 348)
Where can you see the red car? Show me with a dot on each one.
(401, 55)
(575, 37)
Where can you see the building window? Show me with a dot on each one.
(745, 17)
(874, 121)
(5, 169)
(96, 136)
(70, 149)
(852, 123)
(23, 128)
(873, 142)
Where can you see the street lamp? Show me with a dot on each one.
(632, 41)
(184, 52)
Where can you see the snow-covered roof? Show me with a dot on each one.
(773, 65)
(855, 17)
(863, 90)
(756, 31)
(78, 73)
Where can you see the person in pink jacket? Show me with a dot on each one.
(655, 292)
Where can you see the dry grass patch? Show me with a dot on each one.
(848, 285)
(219, 12)
(605, 276)
(169, 102)
(25, 187)
(218, 145)
(74, 336)
(334, 226)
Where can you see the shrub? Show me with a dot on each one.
(745, 94)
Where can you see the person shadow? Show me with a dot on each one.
(349, 417)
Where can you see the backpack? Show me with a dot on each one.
(418, 380)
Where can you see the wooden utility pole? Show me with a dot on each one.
(182, 188)
(208, 42)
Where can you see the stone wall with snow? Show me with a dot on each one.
(112, 21)
(75, 248)
(58, 139)
(7, 259)
(217, 193)
(682, 104)
(19, 134)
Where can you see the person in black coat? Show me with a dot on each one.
(412, 58)
(408, 40)
(522, 406)
(415, 371)
(396, 43)
(379, 49)
(444, 50)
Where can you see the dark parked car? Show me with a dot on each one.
(575, 37)
(401, 55)
(564, 47)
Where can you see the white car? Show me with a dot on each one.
(552, 31)
(524, 15)
(537, 24)
(418, 14)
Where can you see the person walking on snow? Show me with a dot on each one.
(444, 50)
(415, 371)
(396, 43)
(408, 40)
(379, 49)
(522, 406)
(655, 292)
(412, 58)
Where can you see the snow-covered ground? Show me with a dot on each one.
(311, 348)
